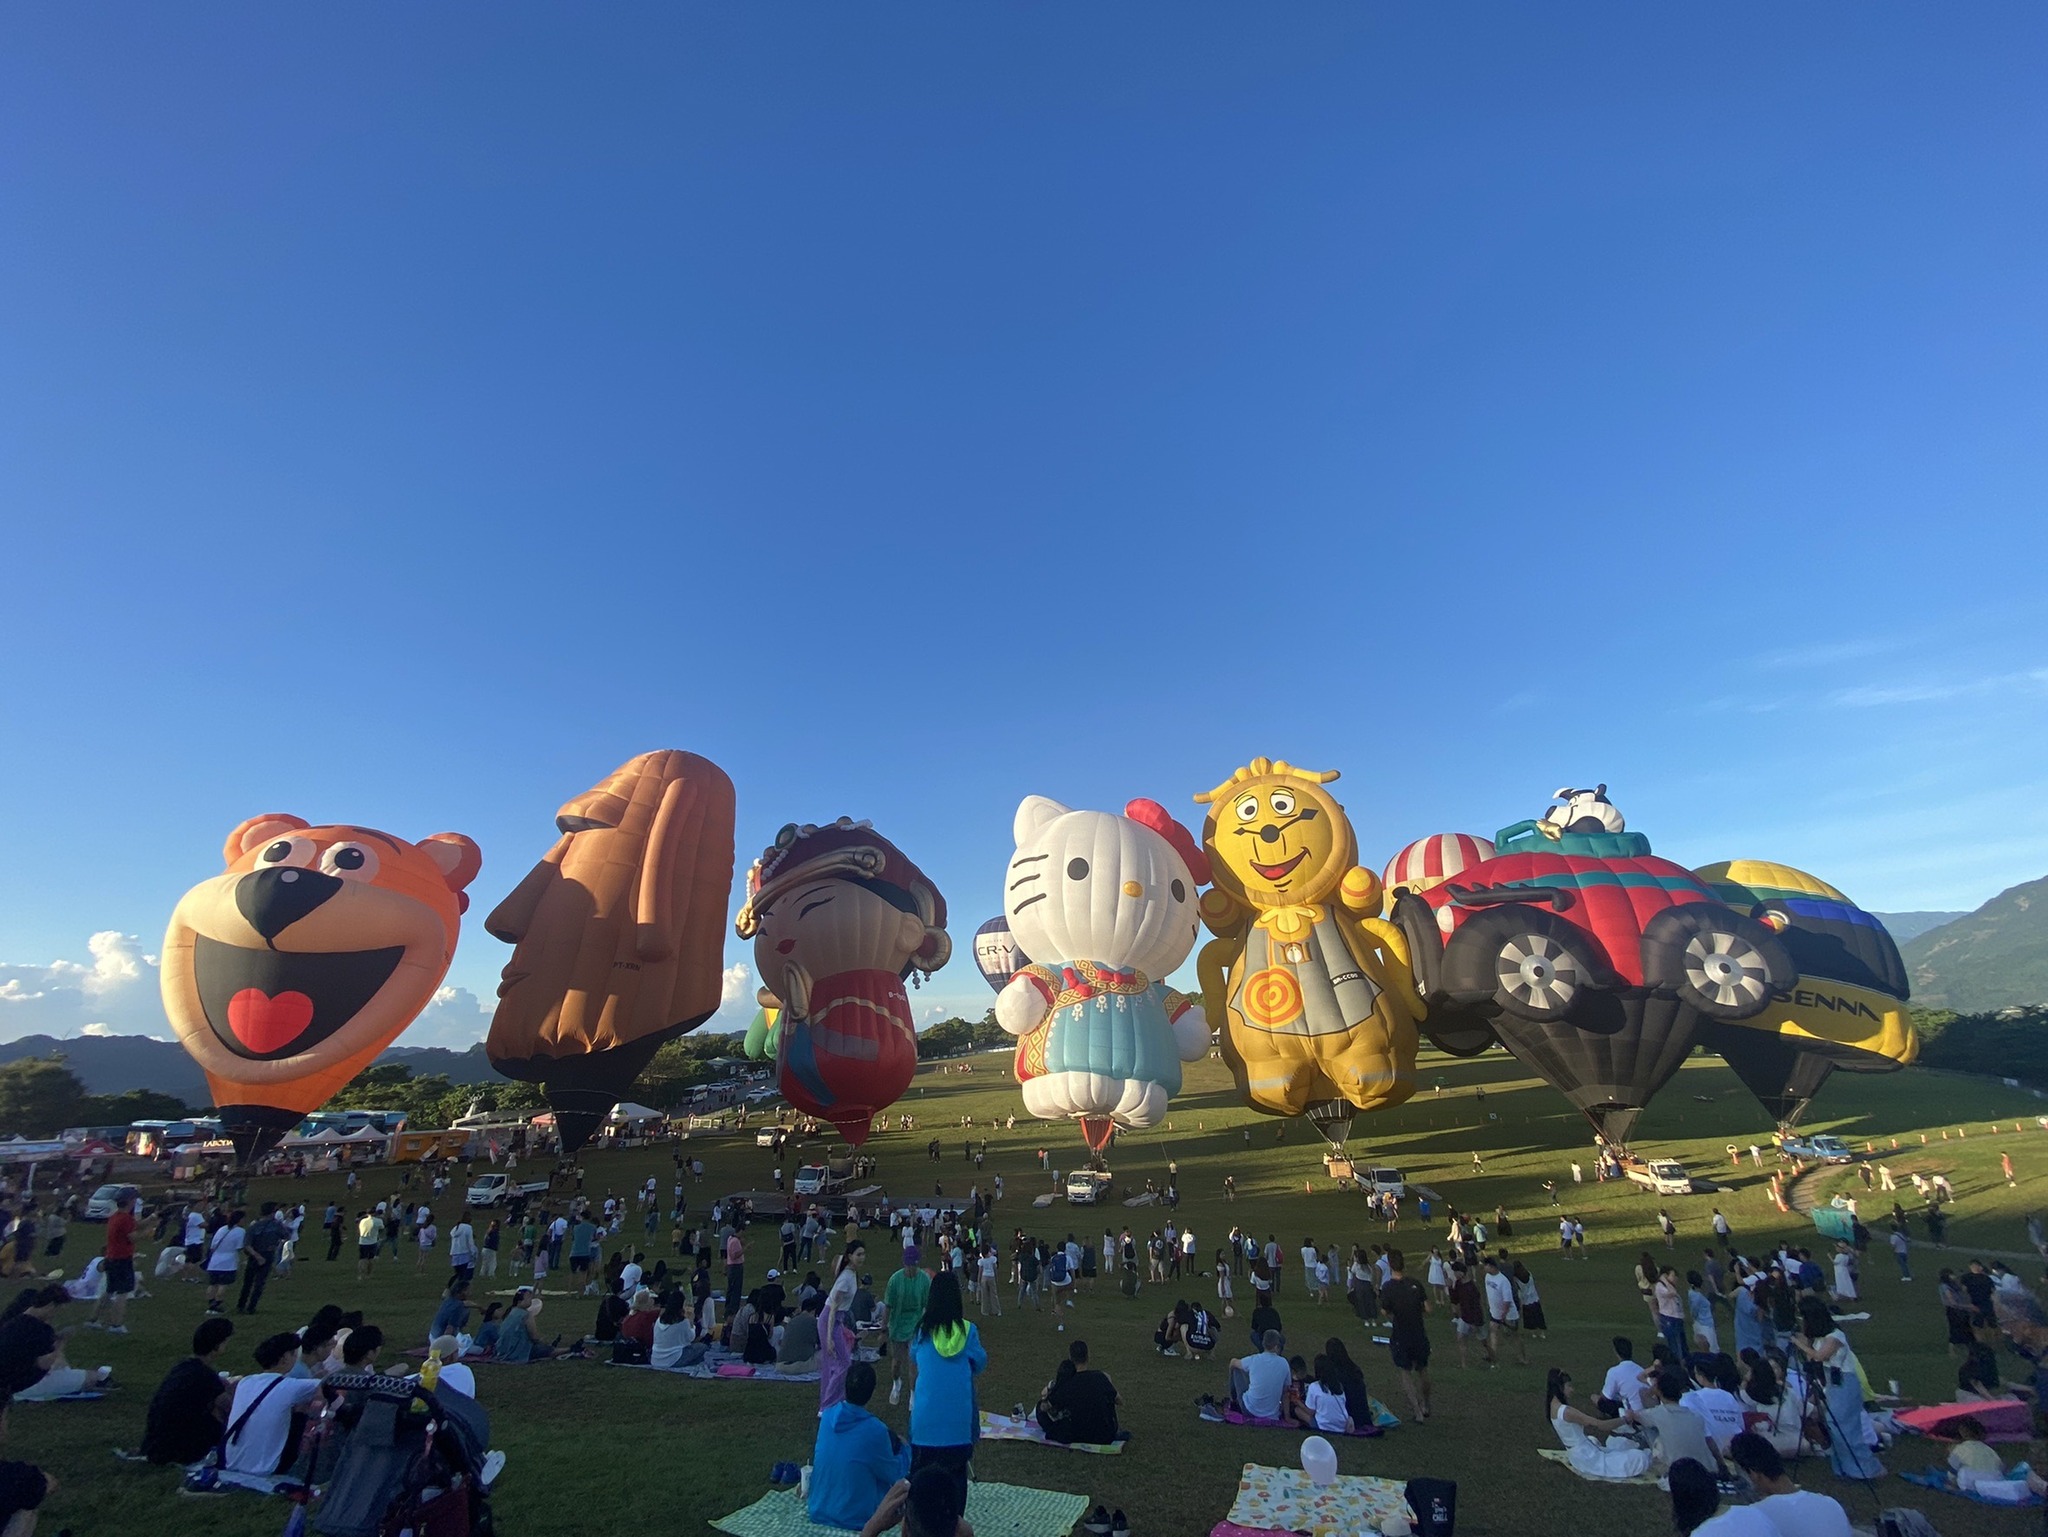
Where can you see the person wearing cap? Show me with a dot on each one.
(902, 1306)
(772, 1300)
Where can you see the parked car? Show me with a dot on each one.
(100, 1204)
(771, 1136)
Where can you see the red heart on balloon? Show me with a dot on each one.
(265, 1024)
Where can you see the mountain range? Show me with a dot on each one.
(1905, 926)
(113, 1064)
(1995, 958)
(1973, 963)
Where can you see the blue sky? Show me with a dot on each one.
(407, 415)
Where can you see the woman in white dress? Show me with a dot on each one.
(1438, 1279)
(1584, 1437)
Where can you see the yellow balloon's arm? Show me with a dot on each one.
(1399, 965)
(1360, 893)
(1223, 915)
(1212, 967)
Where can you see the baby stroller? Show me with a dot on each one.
(410, 1464)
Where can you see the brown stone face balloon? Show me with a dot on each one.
(619, 935)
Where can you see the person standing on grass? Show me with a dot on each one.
(332, 1222)
(903, 1303)
(120, 1262)
(944, 1417)
(1902, 1251)
(462, 1247)
(1405, 1303)
(223, 1257)
(1668, 1228)
(1668, 1299)
(1503, 1312)
(1469, 1306)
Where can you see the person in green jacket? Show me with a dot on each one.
(902, 1307)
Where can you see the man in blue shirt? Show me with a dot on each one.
(857, 1459)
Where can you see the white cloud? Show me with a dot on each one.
(454, 1017)
(735, 988)
(1934, 690)
(112, 992)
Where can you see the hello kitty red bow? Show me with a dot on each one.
(1089, 978)
(1155, 816)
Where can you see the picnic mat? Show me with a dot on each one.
(1382, 1419)
(2004, 1419)
(993, 1510)
(1935, 1478)
(1559, 1455)
(1000, 1427)
(1287, 1500)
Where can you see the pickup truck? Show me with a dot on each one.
(1085, 1187)
(497, 1189)
(1665, 1176)
(818, 1179)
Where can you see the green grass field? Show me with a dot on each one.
(597, 1450)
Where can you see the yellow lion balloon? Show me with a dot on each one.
(1313, 989)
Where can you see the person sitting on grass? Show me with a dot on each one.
(1357, 1400)
(1079, 1405)
(1972, 1452)
(518, 1340)
(264, 1419)
(1681, 1434)
(1696, 1495)
(857, 1459)
(1324, 1400)
(188, 1410)
(797, 1352)
(488, 1329)
(1266, 1320)
(1262, 1385)
(1789, 1508)
(453, 1313)
(929, 1503)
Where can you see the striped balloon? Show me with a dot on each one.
(1429, 862)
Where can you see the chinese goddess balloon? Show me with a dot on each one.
(1109, 903)
(1313, 987)
(840, 917)
(762, 1030)
(618, 935)
(286, 976)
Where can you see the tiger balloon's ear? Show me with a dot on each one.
(258, 830)
(456, 856)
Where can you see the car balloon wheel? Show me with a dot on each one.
(1727, 970)
(1537, 974)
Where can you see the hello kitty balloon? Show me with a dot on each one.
(1107, 904)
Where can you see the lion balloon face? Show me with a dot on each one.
(287, 974)
(1275, 837)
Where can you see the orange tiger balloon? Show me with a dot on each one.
(288, 974)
